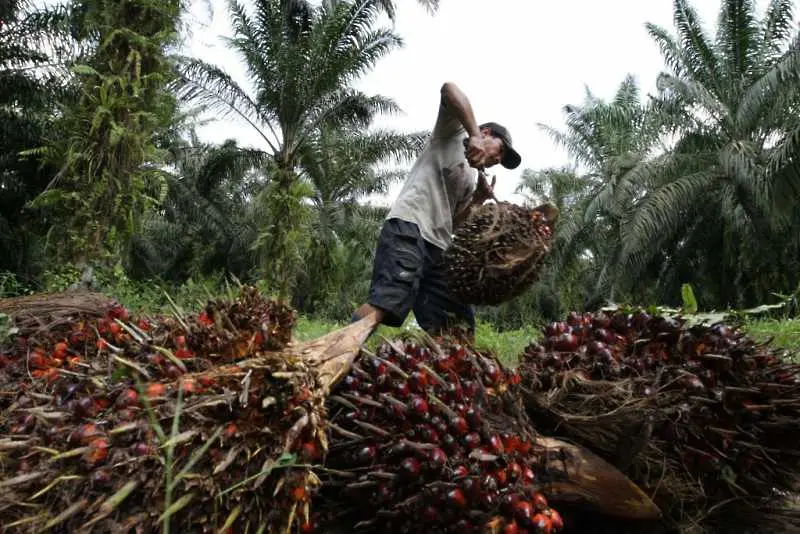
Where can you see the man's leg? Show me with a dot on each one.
(435, 308)
(396, 272)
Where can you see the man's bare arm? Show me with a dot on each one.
(455, 100)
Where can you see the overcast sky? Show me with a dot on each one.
(519, 62)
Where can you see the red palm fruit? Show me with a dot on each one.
(511, 442)
(496, 444)
(437, 460)
(189, 386)
(410, 468)
(309, 452)
(365, 455)
(173, 371)
(37, 360)
(511, 528)
(417, 382)
(555, 519)
(501, 477)
(473, 417)
(84, 434)
(493, 374)
(539, 502)
(472, 440)
(419, 406)
(455, 497)
(155, 390)
(230, 430)
(205, 381)
(141, 449)
(523, 512)
(566, 343)
(98, 451)
(460, 471)
(60, 350)
(542, 524)
(459, 425)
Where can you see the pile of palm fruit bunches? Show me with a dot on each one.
(702, 418)
(206, 423)
(216, 421)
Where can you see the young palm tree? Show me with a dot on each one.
(606, 140)
(209, 218)
(341, 167)
(724, 196)
(302, 61)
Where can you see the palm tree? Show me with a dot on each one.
(302, 61)
(606, 140)
(343, 168)
(33, 42)
(719, 206)
(209, 218)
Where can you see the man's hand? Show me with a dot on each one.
(483, 191)
(475, 151)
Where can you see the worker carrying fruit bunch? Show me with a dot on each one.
(443, 185)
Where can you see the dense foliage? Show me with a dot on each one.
(102, 179)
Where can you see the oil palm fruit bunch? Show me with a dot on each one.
(700, 416)
(498, 252)
(195, 422)
(429, 438)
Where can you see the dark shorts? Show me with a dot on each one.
(407, 275)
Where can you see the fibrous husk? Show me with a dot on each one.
(497, 253)
(702, 418)
(191, 423)
(432, 437)
(45, 311)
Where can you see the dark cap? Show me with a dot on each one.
(511, 158)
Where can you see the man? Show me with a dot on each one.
(443, 185)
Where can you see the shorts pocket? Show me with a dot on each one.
(407, 260)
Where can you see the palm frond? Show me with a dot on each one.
(738, 40)
(697, 53)
(763, 93)
(662, 213)
(670, 51)
(777, 28)
(211, 86)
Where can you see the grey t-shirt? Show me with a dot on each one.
(440, 183)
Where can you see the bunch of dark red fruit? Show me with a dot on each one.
(432, 439)
(698, 415)
(109, 423)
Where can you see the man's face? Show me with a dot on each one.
(493, 148)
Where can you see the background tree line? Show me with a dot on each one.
(103, 178)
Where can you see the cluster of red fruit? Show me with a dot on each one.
(423, 438)
(717, 403)
(91, 403)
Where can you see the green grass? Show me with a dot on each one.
(506, 345)
(784, 334)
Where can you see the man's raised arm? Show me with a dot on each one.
(457, 102)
